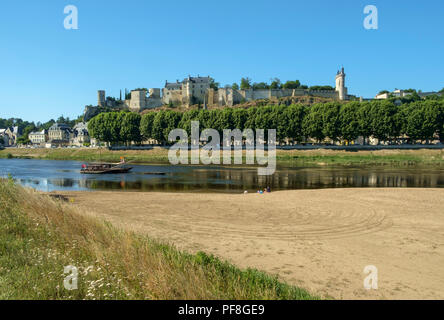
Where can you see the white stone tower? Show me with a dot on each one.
(101, 98)
(340, 85)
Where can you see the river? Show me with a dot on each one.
(51, 175)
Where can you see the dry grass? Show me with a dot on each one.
(39, 236)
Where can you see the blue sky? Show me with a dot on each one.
(47, 71)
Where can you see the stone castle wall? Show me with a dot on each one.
(230, 97)
(194, 90)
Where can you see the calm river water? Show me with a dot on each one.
(48, 175)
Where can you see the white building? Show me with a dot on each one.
(38, 137)
(397, 94)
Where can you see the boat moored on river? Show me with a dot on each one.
(105, 168)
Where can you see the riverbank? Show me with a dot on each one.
(320, 240)
(319, 157)
(40, 236)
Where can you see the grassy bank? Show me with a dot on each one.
(39, 236)
(284, 157)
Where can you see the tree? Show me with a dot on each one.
(276, 84)
(106, 127)
(260, 86)
(384, 120)
(349, 121)
(213, 84)
(23, 140)
(30, 127)
(146, 125)
(265, 118)
(235, 86)
(96, 128)
(292, 84)
(365, 120)
(245, 84)
(423, 121)
(251, 118)
(328, 88)
(239, 118)
(187, 117)
(171, 120)
(312, 123)
(441, 121)
(224, 120)
(163, 123)
(295, 115)
(280, 121)
(331, 121)
(158, 124)
(130, 128)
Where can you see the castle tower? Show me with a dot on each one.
(101, 98)
(138, 100)
(154, 93)
(188, 91)
(340, 85)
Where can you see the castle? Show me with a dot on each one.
(198, 90)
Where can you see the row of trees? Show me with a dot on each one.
(420, 120)
(247, 83)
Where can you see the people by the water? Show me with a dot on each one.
(266, 190)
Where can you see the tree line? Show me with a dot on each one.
(247, 83)
(416, 121)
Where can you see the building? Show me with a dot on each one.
(396, 94)
(59, 134)
(80, 135)
(341, 89)
(401, 94)
(4, 138)
(38, 138)
(197, 90)
(9, 136)
(230, 97)
(192, 90)
(101, 101)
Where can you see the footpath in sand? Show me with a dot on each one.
(320, 240)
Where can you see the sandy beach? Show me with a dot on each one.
(320, 240)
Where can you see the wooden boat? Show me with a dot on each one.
(104, 168)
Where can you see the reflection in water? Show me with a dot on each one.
(49, 175)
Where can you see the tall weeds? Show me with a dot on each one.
(39, 236)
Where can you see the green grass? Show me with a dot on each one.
(39, 236)
(357, 159)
